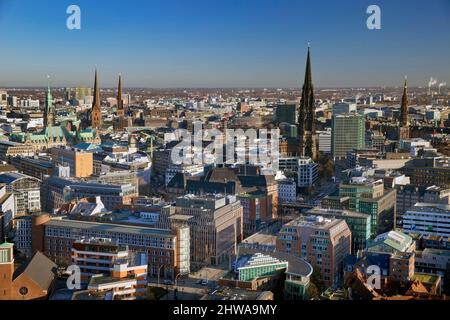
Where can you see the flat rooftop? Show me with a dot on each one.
(108, 227)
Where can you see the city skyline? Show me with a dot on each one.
(238, 45)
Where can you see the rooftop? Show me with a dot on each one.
(107, 227)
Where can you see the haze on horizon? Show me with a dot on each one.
(224, 43)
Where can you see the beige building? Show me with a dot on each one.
(215, 226)
(81, 163)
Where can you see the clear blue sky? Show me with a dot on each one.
(224, 43)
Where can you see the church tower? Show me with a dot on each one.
(307, 117)
(96, 112)
(120, 109)
(6, 270)
(49, 117)
(404, 122)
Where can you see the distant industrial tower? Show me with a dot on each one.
(307, 118)
(96, 112)
(404, 122)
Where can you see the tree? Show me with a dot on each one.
(326, 167)
(317, 280)
(313, 292)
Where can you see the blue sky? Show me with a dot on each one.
(224, 43)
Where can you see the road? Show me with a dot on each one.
(189, 288)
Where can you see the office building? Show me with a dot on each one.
(323, 242)
(286, 113)
(166, 250)
(343, 108)
(358, 223)
(7, 211)
(82, 92)
(109, 267)
(429, 171)
(324, 141)
(287, 191)
(408, 195)
(215, 226)
(370, 197)
(57, 191)
(26, 191)
(81, 163)
(34, 167)
(348, 133)
(10, 149)
(308, 173)
(428, 219)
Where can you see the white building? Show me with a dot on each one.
(287, 191)
(288, 164)
(22, 237)
(343, 107)
(3, 97)
(325, 141)
(414, 145)
(308, 172)
(7, 211)
(429, 219)
(191, 170)
(29, 103)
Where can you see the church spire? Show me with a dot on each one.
(48, 112)
(307, 121)
(120, 110)
(96, 113)
(96, 90)
(404, 106)
(308, 73)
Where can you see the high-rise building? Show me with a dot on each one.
(286, 113)
(82, 92)
(307, 117)
(348, 133)
(322, 242)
